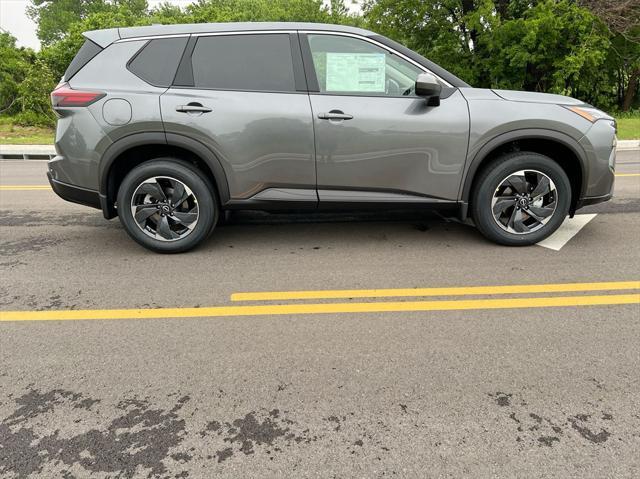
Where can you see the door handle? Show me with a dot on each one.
(193, 108)
(335, 115)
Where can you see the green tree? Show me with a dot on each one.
(622, 18)
(264, 10)
(35, 106)
(55, 17)
(555, 46)
(58, 55)
(542, 45)
(449, 32)
(14, 64)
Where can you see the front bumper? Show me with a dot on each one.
(593, 200)
(75, 194)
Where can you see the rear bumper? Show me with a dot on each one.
(75, 194)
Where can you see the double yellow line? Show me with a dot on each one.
(24, 187)
(429, 292)
(364, 307)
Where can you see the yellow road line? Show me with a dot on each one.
(453, 291)
(627, 174)
(322, 308)
(24, 187)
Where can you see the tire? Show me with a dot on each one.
(175, 203)
(507, 211)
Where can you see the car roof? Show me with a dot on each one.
(108, 36)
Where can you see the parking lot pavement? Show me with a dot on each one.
(361, 375)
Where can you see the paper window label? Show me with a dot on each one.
(361, 72)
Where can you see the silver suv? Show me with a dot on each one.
(168, 127)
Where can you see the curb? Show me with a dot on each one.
(624, 145)
(27, 152)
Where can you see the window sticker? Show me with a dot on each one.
(361, 72)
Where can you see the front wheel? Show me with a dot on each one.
(167, 206)
(521, 198)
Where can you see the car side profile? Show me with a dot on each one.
(168, 127)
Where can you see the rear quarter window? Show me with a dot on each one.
(156, 63)
(261, 62)
(87, 51)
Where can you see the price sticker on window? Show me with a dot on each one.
(355, 72)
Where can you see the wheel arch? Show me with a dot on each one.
(560, 147)
(127, 153)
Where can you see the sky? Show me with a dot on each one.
(14, 20)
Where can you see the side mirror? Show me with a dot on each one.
(428, 87)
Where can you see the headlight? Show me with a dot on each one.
(591, 114)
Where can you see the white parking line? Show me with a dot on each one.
(567, 230)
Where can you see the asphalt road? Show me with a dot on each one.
(503, 388)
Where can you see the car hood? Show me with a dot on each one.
(533, 97)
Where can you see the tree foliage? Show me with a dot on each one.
(55, 17)
(14, 65)
(589, 49)
(554, 46)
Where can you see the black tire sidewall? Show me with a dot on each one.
(190, 176)
(497, 172)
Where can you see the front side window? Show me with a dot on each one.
(350, 65)
(260, 62)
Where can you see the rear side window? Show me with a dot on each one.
(260, 62)
(87, 51)
(157, 62)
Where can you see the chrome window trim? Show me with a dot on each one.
(380, 45)
(152, 37)
(244, 32)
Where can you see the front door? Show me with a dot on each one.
(375, 140)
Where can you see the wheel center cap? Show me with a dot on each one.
(523, 202)
(166, 208)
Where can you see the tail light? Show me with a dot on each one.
(65, 96)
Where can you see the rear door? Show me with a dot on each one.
(376, 141)
(243, 95)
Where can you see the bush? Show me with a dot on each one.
(34, 95)
(30, 118)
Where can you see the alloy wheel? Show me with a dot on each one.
(164, 208)
(524, 202)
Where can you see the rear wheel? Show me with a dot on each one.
(521, 198)
(167, 205)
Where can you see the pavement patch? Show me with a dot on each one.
(270, 432)
(138, 438)
(554, 427)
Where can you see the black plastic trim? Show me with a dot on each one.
(387, 206)
(309, 68)
(298, 68)
(75, 194)
(524, 134)
(270, 205)
(107, 195)
(184, 73)
(593, 200)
